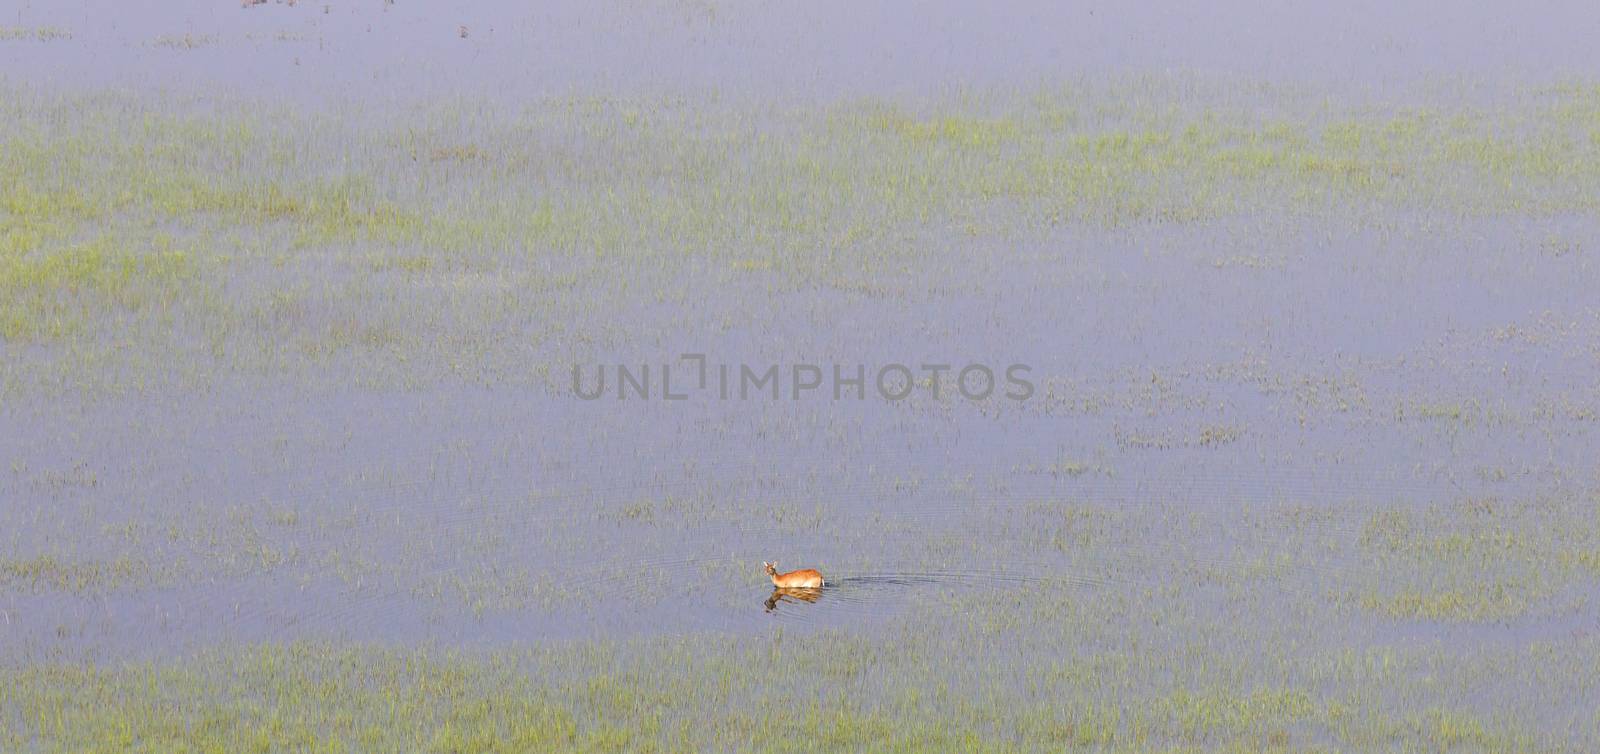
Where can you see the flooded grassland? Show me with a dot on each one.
(293, 460)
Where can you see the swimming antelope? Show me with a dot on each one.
(806, 578)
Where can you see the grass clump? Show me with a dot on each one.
(37, 33)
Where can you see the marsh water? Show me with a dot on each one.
(1320, 416)
(347, 512)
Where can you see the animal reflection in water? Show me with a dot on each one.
(792, 594)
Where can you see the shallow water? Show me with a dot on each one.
(1328, 429)
(828, 49)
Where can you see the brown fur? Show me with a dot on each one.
(805, 578)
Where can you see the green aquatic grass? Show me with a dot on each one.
(35, 33)
(184, 41)
(176, 225)
(48, 297)
(47, 573)
(822, 692)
